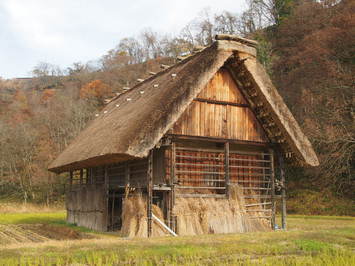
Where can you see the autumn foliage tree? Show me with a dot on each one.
(314, 69)
(95, 89)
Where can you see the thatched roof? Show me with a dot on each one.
(134, 122)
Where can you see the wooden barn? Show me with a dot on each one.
(194, 130)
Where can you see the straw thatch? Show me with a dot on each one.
(195, 216)
(133, 123)
(214, 216)
(134, 218)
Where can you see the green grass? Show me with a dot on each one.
(55, 218)
(33, 218)
(319, 217)
(310, 240)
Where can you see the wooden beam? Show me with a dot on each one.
(233, 46)
(236, 38)
(199, 187)
(195, 195)
(70, 180)
(172, 184)
(273, 205)
(258, 197)
(150, 192)
(219, 140)
(221, 102)
(226, 169)
(81, 176)
(257, 204)
(112, 209)
(161, 188)
(252, 181)
(106, 197)
(283, 191)
(87, 175)
(127, 174)
(219, 173)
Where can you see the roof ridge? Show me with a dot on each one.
(185, 60)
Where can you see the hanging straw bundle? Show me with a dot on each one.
(134, 217)
(210, 215)
(195, 215)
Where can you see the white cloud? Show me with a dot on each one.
(65, 31)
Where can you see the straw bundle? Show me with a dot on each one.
(195, 216)
(209, 215)
(134, 217)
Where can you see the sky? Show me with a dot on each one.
(62, 32)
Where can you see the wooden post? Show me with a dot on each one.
(106, 178)
(107, 192)
(283, 191)
(226, 169)
(70, 180)
(112, 209)
(273, 203)
(150, 192)
(89, 181)
(127, 174)
(172, 183)
(81, 176)
(87, 175)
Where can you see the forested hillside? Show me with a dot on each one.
(308, 47)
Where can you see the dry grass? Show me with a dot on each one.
(6, 207)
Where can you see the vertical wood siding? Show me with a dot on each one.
(216, 118)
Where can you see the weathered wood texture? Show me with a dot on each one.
(132, 172)
(206, 168)
(86, 206)
(216, 117)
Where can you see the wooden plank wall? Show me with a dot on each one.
(221, 111)
(134, 172)
(86, 206)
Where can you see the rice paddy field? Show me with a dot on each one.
(43, 238)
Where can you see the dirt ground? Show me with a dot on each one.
(20, 233)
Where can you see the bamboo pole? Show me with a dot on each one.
(164, 225)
